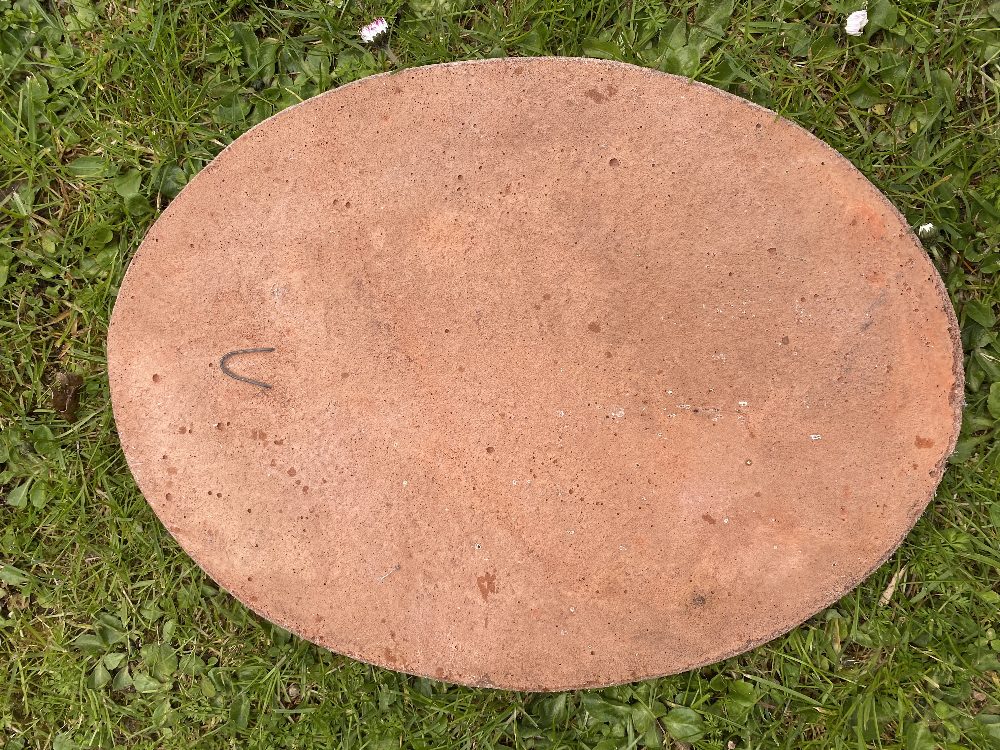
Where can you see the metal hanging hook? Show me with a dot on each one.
(234, 376)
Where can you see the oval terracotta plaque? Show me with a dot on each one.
(581, 373)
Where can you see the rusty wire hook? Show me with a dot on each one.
(234, 376)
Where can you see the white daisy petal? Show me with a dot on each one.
(374, 30)
(856, 23)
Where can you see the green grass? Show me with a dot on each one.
(111, 637)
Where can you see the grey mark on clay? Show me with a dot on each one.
(236, 352)
(388, 573)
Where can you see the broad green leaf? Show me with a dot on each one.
(191, 664)
(239, 712)
(991, 724)
(642, 719)
(123, 680)
(430, 8)
(598, 48)
(881, 15)
(966, 447)
(606, 709)
(143, 683)
(683, 61)
(551, 709)
(534, 41)
(99, 236)
(44, 442)
(743, 693)
(701, 41)
(87, 167)
(110, 634)
(989, 362)
(918, 737)
(742, 696)
(232, 109)
(981, 312)
(92, 265)
(89, 642)
(168, 179)
(863, 95)
(128, 184)
(6, 259)
(110, 621)
(85, 16)
(208, 688)
(714, 15)
(137, 205)
(167, 630)
(151, 611)
(12, 576)
(993, 401)
(39, 495)
(160, 660)
(674, 33)
(99, 677)
(18, 497)
(161, 713)
(247, 40)
(684, 724)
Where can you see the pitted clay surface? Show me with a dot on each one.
(581, 373)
